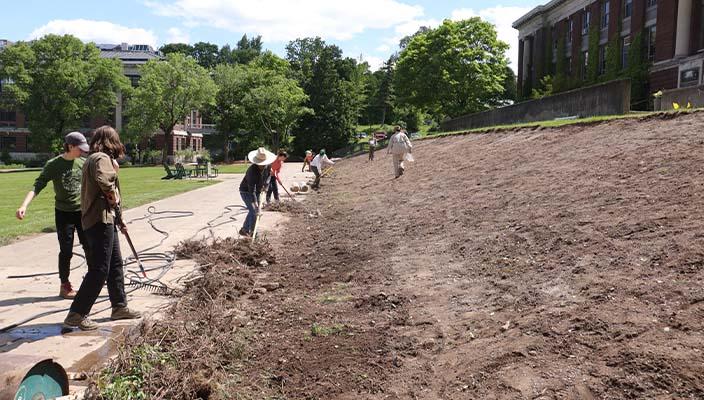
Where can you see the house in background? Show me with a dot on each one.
(672, 31)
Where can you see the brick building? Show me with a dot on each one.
(671, 31)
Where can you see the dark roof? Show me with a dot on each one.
(130, 55)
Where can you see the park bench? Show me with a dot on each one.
(182, 172)
(170, 174)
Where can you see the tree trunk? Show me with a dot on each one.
(168, 144)
(226, 148)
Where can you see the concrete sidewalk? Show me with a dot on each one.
(79, 351)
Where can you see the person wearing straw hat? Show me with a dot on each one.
(399, 147)
(64, 172)
(254, 182)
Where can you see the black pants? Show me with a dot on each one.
(273, 188)
(66, 223)
(104, 262)
(371, 154)
(316, 184)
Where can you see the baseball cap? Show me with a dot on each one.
(77, 139)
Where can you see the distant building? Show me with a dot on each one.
(671, 29)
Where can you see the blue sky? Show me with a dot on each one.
(367, 28)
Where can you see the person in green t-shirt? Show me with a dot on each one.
(65, 172)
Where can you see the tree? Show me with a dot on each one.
(59, 82)
(328, 80)
(510, 93)
(167, 92)
(455, 69)
(206, 54)
(183, 48)
(230, 113)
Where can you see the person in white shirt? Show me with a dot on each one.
(320, 162)
(399, 146)
(372, 147)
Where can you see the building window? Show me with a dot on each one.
(570, 28)
(8, 116)
(689, 77)
(651, 3)
(585, 62)
(625, 48)
(586, 20)
(605, 11)
(602, 60)
(134, 80)
(8, 143)
(627, 8)
(650, 42)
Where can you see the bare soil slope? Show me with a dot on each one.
(533, 264)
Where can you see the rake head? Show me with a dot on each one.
(153, 287)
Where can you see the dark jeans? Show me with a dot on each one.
(316, 184)
(371, 154)
(249, 200)
(104, 262)
(273, 188)
(66, 223)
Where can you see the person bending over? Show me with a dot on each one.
(275, 176)
(253, 184)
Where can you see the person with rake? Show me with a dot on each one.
(274, 178)
(100, 196)
(253, 184)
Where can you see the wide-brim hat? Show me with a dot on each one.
(261, 156)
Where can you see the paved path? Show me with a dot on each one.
(23, 298)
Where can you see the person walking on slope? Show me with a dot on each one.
(320, 162)
(275, 172)
(399, 147)
(100, 199)
(372, 147)
(253, 184)
(64, 172)
(307, 160)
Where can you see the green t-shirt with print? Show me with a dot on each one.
(66, 177)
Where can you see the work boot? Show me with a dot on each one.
(66, 291)
(124, 313)
(76, 320)
(244, 232)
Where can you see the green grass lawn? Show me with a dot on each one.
(139, 186)
(232, 168)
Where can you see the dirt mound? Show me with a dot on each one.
(286, 206)
(193, 352)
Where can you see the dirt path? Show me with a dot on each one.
(525, 265)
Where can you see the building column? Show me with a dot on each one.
(519, 67)
(684, 20)
(527, 55)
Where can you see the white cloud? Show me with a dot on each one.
(375, 63)
(502, 17)
(96, 31)
(404, 29)
(177, 36)
(384, 48)
(283, 20)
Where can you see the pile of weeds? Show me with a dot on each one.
(196, 350)
(290, 207)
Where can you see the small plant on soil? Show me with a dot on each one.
(322, 330)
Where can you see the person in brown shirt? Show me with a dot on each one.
(100, 194)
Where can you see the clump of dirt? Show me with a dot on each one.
(227, 251)
(290, 207)
(194, 351)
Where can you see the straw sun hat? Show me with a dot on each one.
(261, 156)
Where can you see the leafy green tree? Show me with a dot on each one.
(183, 48)
(510, 92)
(167, 92)
(206, 54)
(457, 68)
(330, 83)
(593, 59)
(59, 82)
